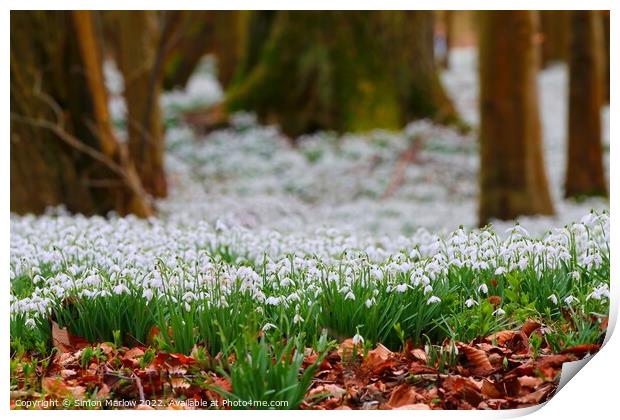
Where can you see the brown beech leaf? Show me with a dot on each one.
(490, 390)
(519, 343)
(478, 359)
(419, 406)
(530, 326)
(377, 359)
(107, 348)
(60, 338)
(67, 373)
(495, 300)
(604, 323)
(153, 332)
(419, 354)
(536, 396)
(417, 369)
(134, 353)
(133, 356)
(181, 358)
(581, 349)
(332, 390)
(56, 387)
(530, 381)
(501, 337)
(401, 396)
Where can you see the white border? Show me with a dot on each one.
(592, 394)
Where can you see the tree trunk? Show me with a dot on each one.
(62, 147)
(206, 32)
(344, 71)
(448, 24)
(584, 173)
(512, 174)
(555, 30)
(607, 56)
(140, 52)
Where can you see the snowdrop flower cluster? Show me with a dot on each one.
(63, 256)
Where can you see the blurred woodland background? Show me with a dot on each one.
(304, 72)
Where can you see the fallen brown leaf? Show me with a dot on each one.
(401, 396)
(377, 359)
(536, 396)
(60, 338)
(478, 359)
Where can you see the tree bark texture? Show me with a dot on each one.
(219, 33)
(585, 175)
(512, 173)
(554, 28)
(139, 49)
(62, 147)
(343, 71)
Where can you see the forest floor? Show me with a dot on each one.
(328, 272)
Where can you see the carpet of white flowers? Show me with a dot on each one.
(259, 235)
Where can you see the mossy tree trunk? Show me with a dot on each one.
(345, 71)
(512, 174)
(139, 48)
(584, 173)
(62, 147)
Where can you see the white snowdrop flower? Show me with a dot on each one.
(599, 293)
(220, 226)
(401, 288)
(589, 219)
(369, 302)
(349, 296)
(188, 307)
(268, 326)
(272, 300)
(570, 299)
(575, 275)
(119, 289)
(147, 294)
(456, 262)
(358, 339)
(433, 299)
(297, 318)
(553, 298)
(483, 288)
(428, 289)
(470, 302)
(260, 310)
(293, 297)
(500, 270)
(499, 312)
(188, 297)
(30, 323)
